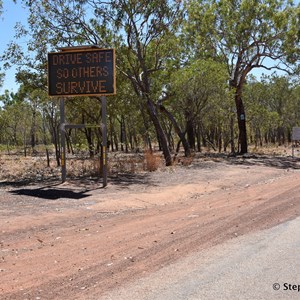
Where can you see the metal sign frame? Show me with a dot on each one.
(71, 66)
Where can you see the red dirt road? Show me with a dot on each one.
(74, 241)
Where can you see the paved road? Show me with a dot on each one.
(246, 267)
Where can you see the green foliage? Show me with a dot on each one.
(185, 58)
(198, 83)
(273, 106)
(243, 33)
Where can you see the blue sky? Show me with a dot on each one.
(12, 13)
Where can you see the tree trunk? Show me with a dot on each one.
(123, 135)
(160, 132)
(111, 133)
(55, 137)
(68, 140)
(51, 117)
(116, 141)
(167, 128)
(241, 122)
(48, 157)
(232, 135)
(219, 130)
(146, 137)
(45, 138)
(89, 138)
(32, 131)
(190, 130)
(24, 141)
(187, 150)
(135, 139)
(198, 136)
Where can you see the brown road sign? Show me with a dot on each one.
(87, 72)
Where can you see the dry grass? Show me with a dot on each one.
(15, 167)
(184, 161)
(20, 168)
(152, 161)
(284, 150)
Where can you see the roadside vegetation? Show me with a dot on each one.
(184, 78)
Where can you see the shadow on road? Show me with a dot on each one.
(51, 193)
(279, 162)
(74, 188)
(77, 187)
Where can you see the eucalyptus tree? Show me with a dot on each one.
(15, 114)
(140, 30)
(194, 86)
(245, 34)
(32, 80)
(294, 106)
(273, 108)
(280, 89)
(127, 118)
(262, 119)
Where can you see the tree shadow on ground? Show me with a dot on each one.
(122, 179)
(28, 181)
(279, 162)
(73, 188)
(126, 179)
